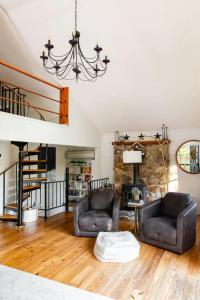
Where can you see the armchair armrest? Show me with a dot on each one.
(186, 228)
(81, 207)
(115, 212)
(150, 210)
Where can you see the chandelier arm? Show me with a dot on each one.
(101, 75)
(65, 69)
(61, 60)
(69, 62)
(85, 77)
(48, 67)
(103, 66)
(53, 55)
(91, 74)
(52, 73)
(82, 55)
(69, 65)
(61, 77)
(85, 68)
(86, 73)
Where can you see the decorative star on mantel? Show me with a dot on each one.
(157, 136)
(141, 136)
(126, 137)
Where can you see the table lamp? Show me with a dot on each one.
(135, 158)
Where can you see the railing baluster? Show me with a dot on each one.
(4, 192)
(56, 195)
(40, 195)
(60, 192)
(52, 190)
(45, 200)
(48, 191)
(20, 185)
(16, 186)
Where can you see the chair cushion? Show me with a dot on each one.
(162, 229)
(101, 199)
(95, 220)
(174, 203)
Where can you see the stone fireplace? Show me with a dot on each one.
(153, 170)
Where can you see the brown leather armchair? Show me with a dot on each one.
(98, 211)
(169, 223)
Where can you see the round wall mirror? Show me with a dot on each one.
(188, 156)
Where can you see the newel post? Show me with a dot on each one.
(64, 100)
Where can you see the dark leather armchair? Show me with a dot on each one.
(169, 223)
(98, 211)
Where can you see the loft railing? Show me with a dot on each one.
(12, 100)
(51, 196)
(99, 184)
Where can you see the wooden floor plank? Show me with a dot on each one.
(50, 249)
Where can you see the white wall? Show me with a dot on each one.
(80, 132)
(178, 180)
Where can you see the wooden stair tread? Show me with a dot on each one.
(34, 171)
(34, 161)
(35, 179)
(31, 152)
(30, 188)
(11, 206)
(8, 217)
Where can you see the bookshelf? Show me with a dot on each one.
(80, 173)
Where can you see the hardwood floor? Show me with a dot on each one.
(50, 249)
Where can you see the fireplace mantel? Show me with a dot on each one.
(144, 143)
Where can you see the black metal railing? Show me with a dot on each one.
(99, 183)
(51, 196)
(12, 100)
(8, 184)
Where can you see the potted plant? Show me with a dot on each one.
(136, 192)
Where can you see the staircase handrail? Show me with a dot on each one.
(9, 167)
(16, 162)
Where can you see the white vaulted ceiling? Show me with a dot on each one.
(154, 47)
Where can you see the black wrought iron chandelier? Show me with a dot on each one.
(74, 64)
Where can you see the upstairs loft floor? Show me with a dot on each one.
(49, 249)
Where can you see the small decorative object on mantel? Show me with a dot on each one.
(126, 137)
(157, 136)
(141, 137)
(164, 132)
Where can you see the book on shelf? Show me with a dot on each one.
(86, 170)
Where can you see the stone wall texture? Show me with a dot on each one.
(153, 170)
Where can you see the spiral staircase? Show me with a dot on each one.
(31, 172)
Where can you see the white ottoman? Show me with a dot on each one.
(116, 247)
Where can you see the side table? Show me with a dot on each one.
(135, 206)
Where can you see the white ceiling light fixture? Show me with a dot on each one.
(74, 64)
